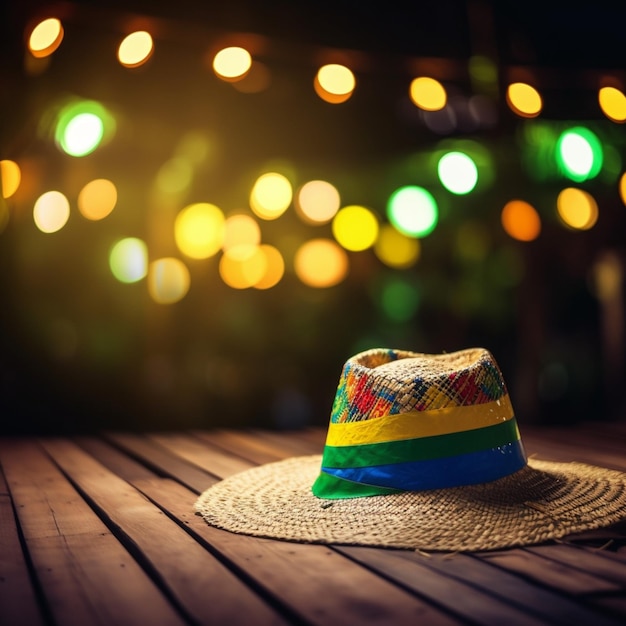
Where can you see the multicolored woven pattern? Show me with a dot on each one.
(408, 421)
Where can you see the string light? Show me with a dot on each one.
(524, 100)
(135, 49)
(46, 37)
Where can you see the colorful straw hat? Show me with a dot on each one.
(423, 452)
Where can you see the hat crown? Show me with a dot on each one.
(382, 382)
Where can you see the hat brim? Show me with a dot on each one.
(545, 500)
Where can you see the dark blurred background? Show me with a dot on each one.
(83, 348)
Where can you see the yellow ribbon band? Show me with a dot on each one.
(417, 424)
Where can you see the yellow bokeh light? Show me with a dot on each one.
(51, 212)
(271, 195)
(199, 230)
(317, 202)
(45, 38)
(135, 49)
(577, 208)
(243, 270)
(428, 94)
(10, 177)
(97, 199)
(232, 63)
(520, 220)
(622, 187)
(524, 99)
(321, 263)
(613, 103)
(334, 83)
(395, 249)
(274, 267)
(241, 232)
(355, 228)
(168, 280)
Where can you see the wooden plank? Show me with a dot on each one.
(208, 458)
(312, 583)
(161, 460)
(19, 605)
(241, 444)
(199, 583)
(86, 576)
(475, 594)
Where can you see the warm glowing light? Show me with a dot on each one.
(174, 176)
(97, 199)
(457, 172)
(135, 49)
(232, 63)
(317, 202)
(579, 154)
(428, 94)
(128, 260)
(334, 83)
(241, 233)
(51, 212)
(274, 267)
(355, 228)
(577, 208)
(82, 126)
(524, 100)
(413, 211)
(395, 249)
(168, 280)
(10, 177)
(245, 269)
(520, 220)
(613, 103)
(199, 230)
(271, 196)
(45, 38)
(321, 263)
(622, 187)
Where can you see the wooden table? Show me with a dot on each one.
(101, 530)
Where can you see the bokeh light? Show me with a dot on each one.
(245, 269)
(128, 260)
(97, 199)
(520, 220)
(334, 83)
(317, 202)
(199, 230)
(579, 154)
(45, 38)
(622, 187)
(321, 263)
(524, 100)
(274, 267)
(168, 280)
(612, 101)
(457, 172)
(51, 211)
(428, 94)
(174, 176)
(232, 63)
(271, 195)
(241, 232)
(413, 211)
(82, 126)
(399, 299)
(577, 208)
(135, 49)
(395, 249)
(10, 177)
(355, 228)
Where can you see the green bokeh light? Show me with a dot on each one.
(579, 154)
(82, 126)
(457, 172)
(399, 299)
(128, 260)
(413, 211)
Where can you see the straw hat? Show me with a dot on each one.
(422, 452)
